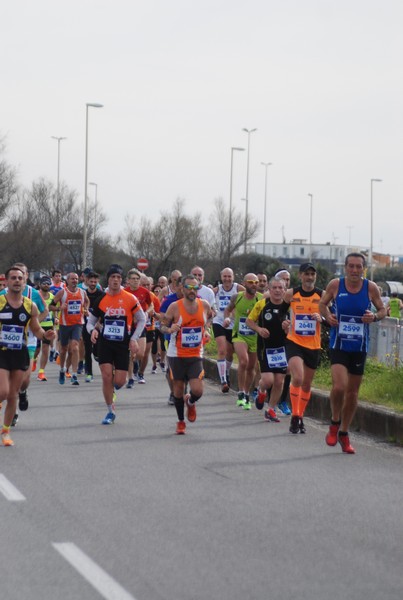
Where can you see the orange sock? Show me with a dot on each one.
(303, 402)
(295, 394)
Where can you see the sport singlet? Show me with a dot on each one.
(351, 334)
(48, 322)
(116, 315)
(394, 305)
(243, 306)
(73, 314)
(305, 330)
(222, 299)
(188, 341)
(270, 316)
(14, 323)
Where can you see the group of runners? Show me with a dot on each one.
(274, 330)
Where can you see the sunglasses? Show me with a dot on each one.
(252, 281)
(189, 286)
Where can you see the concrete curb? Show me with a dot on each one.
(373, 420)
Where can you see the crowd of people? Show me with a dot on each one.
(273, 329)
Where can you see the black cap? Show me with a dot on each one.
(114, 269)
(305, 267)
(45, 279)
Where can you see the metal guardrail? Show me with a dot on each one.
(386, 342)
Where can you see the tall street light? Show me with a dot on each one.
(233, 149)
(59, 139)
(92, 105)
(310, 229)
(266, 165)
(248, 131)
(371, 246)
(95, 218)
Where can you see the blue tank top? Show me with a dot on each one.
(351, 334)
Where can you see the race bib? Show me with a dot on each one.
(114, 330)
(351, 328)
(191, 337)
(305, 325)
(223, 302)
(73, 307)
(244, 329)
(12, 337)
(276, 358)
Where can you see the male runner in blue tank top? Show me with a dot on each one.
(346, 306)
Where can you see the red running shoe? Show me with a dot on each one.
(344, 442)
(190, 410)
(260, 400)
(331, 436)
(181, 428)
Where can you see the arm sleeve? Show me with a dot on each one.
(140, 318)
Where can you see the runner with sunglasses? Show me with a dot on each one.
(243, 338)
(185, 321)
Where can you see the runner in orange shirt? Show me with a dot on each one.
(185, 321)
(111, 320)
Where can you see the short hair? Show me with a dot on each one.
(93, 275)
(355, 255)
(274, 278)
(134, 271)
(56, 271)
(13, 268)
(190, 276)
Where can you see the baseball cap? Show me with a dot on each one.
(45, 279)
(306, 266)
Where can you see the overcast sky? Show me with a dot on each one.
(321, 80)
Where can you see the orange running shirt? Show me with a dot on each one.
(187, 342)
(304, 330)
(73, 314)
(116, 314)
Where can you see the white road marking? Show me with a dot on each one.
(9, 491)
(97, 577)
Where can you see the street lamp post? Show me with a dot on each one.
(266, 165)
(248, 131)
(233, 149)
(310, 229)
(59, 139)
(93, 105)
(371, 245)
(95, 217)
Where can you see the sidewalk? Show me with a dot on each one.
(370, 419)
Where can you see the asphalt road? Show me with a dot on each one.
(237, 509)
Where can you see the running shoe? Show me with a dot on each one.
(190, 410)
(241, 399)
(80, 369)
(154, 370)
(171, 400)
(57, 358)
(130, 384)
(255, 394)
(284, 408)
(331, 436)
(163, 369)
(62, 377)
(270, 415)
(225, 387)
(74, 380)
(247, 405)
(51, 356)
(23, 400)
(109, 419)
(140, 378)
(68, 374)
(15, 420)
(88, 378)
(294, 424)
(301, 426)
(33, 368)
(344, 442)
(260, 400)
(41, 376)
(5, 438)
(181, 428)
